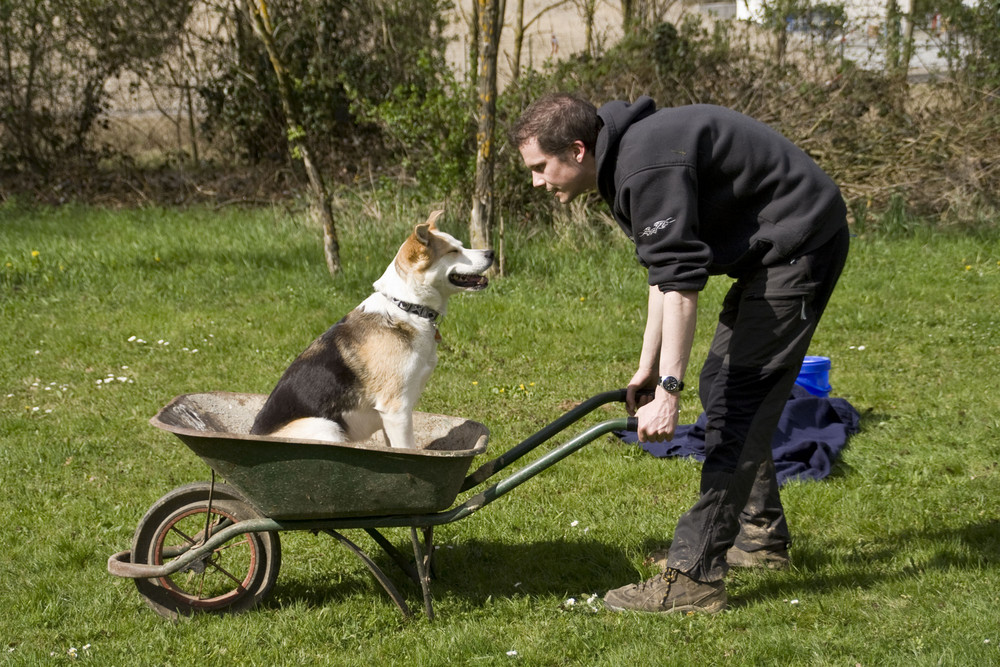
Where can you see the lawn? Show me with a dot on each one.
(108, 314)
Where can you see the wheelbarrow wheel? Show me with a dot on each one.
(233, 577)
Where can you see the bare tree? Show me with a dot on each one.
(643, 13)
(474, 40)
(481, 221)
(521, 27)
(588, 12)
(320, 206)
(904, 39)
(628, 15)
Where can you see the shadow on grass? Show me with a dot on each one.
(905, 554)
(475, 571)
(479, 569)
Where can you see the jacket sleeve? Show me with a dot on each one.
(661, 205)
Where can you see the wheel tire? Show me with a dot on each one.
(232, 578)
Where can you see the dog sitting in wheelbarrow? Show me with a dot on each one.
(368, 370)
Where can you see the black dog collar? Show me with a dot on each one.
(415, 308)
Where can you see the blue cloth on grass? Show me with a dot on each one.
(811, 433)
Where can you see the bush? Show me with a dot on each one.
(976, 44)
(345, 58)
(58, 56)
(429, 128)
(377, 97)
(892, 146)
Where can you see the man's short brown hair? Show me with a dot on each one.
(556, 121)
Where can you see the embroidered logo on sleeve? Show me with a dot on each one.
(657, 227)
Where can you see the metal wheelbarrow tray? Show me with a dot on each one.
(212, 546)
(289, 479)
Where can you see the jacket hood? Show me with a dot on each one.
(617, 117)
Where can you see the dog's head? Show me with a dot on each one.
(432, 265)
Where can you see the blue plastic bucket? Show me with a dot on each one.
(815, 376)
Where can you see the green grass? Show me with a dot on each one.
(897, 554)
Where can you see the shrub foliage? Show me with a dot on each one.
(57, 56)
(379, 99)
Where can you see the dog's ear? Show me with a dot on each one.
(432, 218)
(422, 233)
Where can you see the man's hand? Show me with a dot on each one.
(658, 418)
(666, 347)
(643, 381)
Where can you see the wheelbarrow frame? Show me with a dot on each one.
(120, 563)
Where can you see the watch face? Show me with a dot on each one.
(670, 383)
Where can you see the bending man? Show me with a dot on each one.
(702, 190)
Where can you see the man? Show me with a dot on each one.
(702, 190)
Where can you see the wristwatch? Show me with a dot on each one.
(671, 384)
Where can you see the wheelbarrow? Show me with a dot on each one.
(213, 546)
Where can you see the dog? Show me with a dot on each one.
(368, 370)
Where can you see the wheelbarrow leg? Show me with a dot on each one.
(422, 554)
(397, 556)
(375, 570)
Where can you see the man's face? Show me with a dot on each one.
(566, 175)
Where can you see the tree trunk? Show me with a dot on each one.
(907, 17)
(892, 37)
(486, 83)
(519, 28)
(781, 46)
(475, 39)
(320, 207)
(628, 16)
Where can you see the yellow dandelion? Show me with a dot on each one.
(968, 267)
(35, 253)
(521, 386)
(475, 382)
(583, 298)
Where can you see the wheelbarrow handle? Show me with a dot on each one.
(491, 468)
(121, 565)
(480, 500)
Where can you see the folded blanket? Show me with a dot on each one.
(810, 436)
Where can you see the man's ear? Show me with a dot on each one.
(578, 151)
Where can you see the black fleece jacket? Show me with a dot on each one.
(703, 190)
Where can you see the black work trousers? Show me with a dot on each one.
(767, 321)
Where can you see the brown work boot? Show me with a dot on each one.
(671, 591)
(772, 559)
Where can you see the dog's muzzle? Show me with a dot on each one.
(468, 281)
(472, 281)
